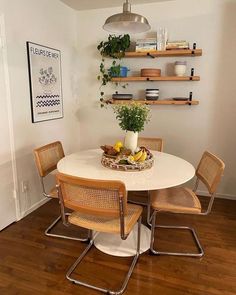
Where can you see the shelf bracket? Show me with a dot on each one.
(190, 98)
(150, 55)
(192, 74)
(194, 47)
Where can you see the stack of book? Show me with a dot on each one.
(182, 44)
(143, 45)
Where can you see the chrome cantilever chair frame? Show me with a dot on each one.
(42, 175)
(86, 250)
(47, 232)
(91, 242)
(152, 220)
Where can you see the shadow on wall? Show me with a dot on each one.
(222, 131)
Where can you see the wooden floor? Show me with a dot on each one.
(31, 263)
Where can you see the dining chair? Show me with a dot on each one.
(46, 158)
(152, 143)
(183, 200)
(101, 206)
(155, 144)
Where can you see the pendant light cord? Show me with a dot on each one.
(126, 7)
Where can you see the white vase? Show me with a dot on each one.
(131, 140)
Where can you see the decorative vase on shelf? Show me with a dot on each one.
(131, 140)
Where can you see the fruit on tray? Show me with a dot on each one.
(109, 150)
(131, 160)
(143, 157)
(140, 156)
(124, 155)
(118, 145)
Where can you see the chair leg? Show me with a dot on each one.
(47, 231)
(149, 216)
(195, 237)
(147, 204)
(126, 280)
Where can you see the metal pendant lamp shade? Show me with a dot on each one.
(126, 22)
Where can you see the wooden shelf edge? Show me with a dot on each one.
(166, 53)
(154, 102)
(161, 78)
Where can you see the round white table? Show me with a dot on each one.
(167, 171)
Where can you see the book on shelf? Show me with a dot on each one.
(149, 44)
(180, 44)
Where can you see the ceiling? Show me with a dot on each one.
(92, 4)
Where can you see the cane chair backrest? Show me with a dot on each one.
(48, 156)
(96, 197)
(209, 171)
(155, 144)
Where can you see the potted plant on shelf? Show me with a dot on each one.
(115, 48)
(132, 118)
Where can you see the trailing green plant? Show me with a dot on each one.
(114, 47)
(132, 117)
(107, 74)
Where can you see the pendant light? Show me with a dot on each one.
(126, 22)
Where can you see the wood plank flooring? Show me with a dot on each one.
(31, 263)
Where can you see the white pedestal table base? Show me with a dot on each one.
(112, 244)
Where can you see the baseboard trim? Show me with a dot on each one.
(218, 195)
(34, 207)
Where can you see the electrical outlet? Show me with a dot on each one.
(24, 186)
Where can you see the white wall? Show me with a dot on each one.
(187, 131)
(53, 24)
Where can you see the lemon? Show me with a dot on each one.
(116, 148)
(119, 144)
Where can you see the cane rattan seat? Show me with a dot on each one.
(184, 200)
(152, 143)
(46, 158)
(107, 224)
(177, 200)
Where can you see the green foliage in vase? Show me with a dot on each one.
(132, 116)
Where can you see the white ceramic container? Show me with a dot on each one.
(180, 68)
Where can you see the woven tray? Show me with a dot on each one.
(139, 166)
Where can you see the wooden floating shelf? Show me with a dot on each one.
(165, 53)
(161, 78)
(154, 102)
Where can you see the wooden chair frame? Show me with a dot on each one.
(212, 191)
(122, 210)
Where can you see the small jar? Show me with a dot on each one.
(180, 68)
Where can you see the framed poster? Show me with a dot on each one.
(44, 65)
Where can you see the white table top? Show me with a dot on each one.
(167, 171)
